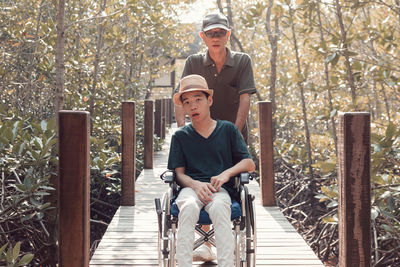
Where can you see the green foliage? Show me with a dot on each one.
(26, 166)
(11, 257)
(371, 39)
(139, 39)
(26, 147)
(105, 168)
(385, 168)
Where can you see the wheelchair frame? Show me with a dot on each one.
(244, 227)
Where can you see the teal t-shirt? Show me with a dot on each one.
(207, 157)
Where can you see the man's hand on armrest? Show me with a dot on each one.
(245, 165)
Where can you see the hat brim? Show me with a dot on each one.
(214, 26)
(177, 96)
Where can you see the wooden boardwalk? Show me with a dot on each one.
(131, 237)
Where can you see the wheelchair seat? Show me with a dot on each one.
(204, 218)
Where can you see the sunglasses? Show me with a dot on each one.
(216, 34)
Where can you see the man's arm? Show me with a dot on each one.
(203, 190)
(179, 116)
(245, 165)
(243, 111)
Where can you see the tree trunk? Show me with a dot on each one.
(78, 45)
(398, 9)
(345, 50)
(327, 82)
(128, 67)
(229, 9)
(375, 88)
(234, 39)
(34, 90)
(59, 103)
(387, 105)
(273, 39)
(99, 45)
(303, 104)
(60, 67)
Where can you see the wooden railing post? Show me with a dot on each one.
(169, 111)
(148, 134)
(157, 118)
(128, 154)
(267, 181)
(173, 119)
(163, 117)
(354, 190)
(74, 184)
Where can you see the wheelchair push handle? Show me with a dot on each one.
(159, 213)
(168, 176)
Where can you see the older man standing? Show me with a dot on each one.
(229, 73)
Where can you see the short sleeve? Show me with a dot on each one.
(246, 81)
(176, 157)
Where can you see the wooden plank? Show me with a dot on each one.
(131, 238)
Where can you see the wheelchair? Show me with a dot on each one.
(242, 217)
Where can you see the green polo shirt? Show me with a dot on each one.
(207, 157)
(235, 78)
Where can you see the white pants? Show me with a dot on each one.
(219, 211)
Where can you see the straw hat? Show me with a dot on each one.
(191, 83)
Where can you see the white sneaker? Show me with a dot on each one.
(204, 253)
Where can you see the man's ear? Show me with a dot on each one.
(210, 101)
(201, 34)
(228, 34)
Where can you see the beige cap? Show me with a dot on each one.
(191, 83)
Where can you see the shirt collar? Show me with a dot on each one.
(228, 62)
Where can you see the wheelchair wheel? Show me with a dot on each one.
(166, 238)
(238, 260)
(251, 237)
(172, 246)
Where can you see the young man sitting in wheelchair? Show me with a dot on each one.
(205, 155)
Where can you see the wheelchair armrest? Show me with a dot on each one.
(168, 176)
(244, 178)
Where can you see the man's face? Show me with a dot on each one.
(215, 39)
(196, 105)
